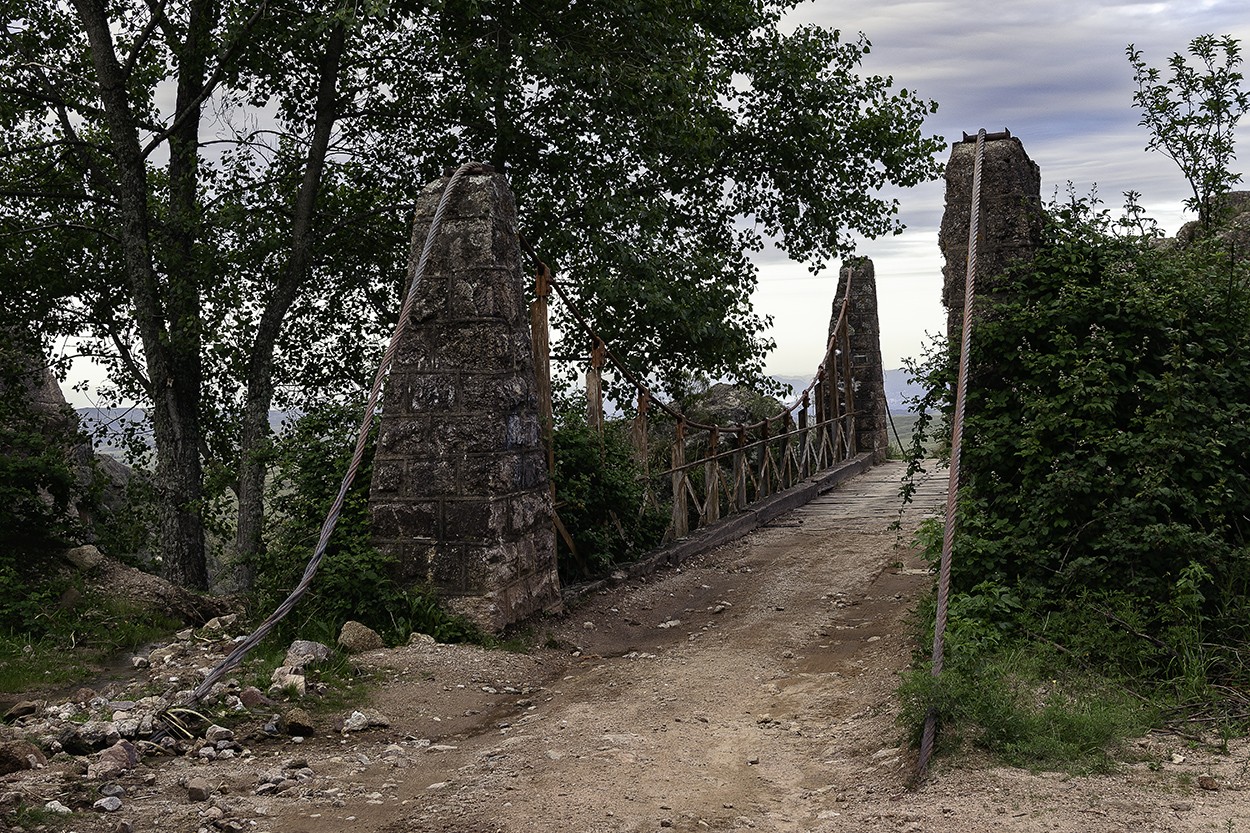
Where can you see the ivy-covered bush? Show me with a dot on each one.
(1106, 450)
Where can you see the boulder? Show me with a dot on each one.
(118, 758)
(86, 557)
(304, 652)
(356, 638)
(24, 708)
(298, 723)
(17, 755)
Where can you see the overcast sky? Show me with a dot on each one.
(1054, 73)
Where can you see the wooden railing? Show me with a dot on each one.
(714, 470)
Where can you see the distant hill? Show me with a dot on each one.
(898, 389)
(108, 425)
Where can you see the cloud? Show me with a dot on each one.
(1054, 73)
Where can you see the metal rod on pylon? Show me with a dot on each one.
(957, 430)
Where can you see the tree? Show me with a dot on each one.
(242, 247)
(171, 306)
(1191, 116)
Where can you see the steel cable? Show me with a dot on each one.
(957, 428)
(362, 437)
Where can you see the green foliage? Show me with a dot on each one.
(1105, 455)
(36, 486)
(216, 269)
(1027, 708)
(354, 581)
(601, 498)
(1191, 115)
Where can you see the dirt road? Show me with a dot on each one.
(751, 689)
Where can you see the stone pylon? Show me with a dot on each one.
(868, 377)
(460, 485)
(1011, 220)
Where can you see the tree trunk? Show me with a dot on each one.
(167, 315)
(255, 439)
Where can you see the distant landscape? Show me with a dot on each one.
(108, 425)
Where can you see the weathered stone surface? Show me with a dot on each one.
(459, 492)
(198, 789)
(724, 404)
(85, 557)
(304, 652)
(871, 418)
(118, 758)
(355, 638)
(1010, 219)
(108, 804)
(16, 755)
(23, 708)
(297, 723)
(285, 679)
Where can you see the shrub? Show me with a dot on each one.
(1106, 449)
(601, 498)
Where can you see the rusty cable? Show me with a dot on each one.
(362, 437)
(957, 430)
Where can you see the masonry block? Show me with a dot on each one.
(460, 490)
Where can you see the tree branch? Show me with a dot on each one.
(158, 16)
(210, 85)
(51, 226)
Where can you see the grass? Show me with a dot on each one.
(74, 644)
(1025, 706)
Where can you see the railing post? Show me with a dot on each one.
(787, 464)
(834, 426)
(765, 486)
(681, 518)
(594, 387)
(711, 479)
(848, 382)
(804, 468)
(638, 431)
(540, 334)
(740, 469)
(822, 418)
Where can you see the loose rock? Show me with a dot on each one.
(296, 722)
(17, 755)
(305, 652)
(108, 804)
(356, 638)
(25, 708)
(118, 758)
(198, 789)
(85, 557)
